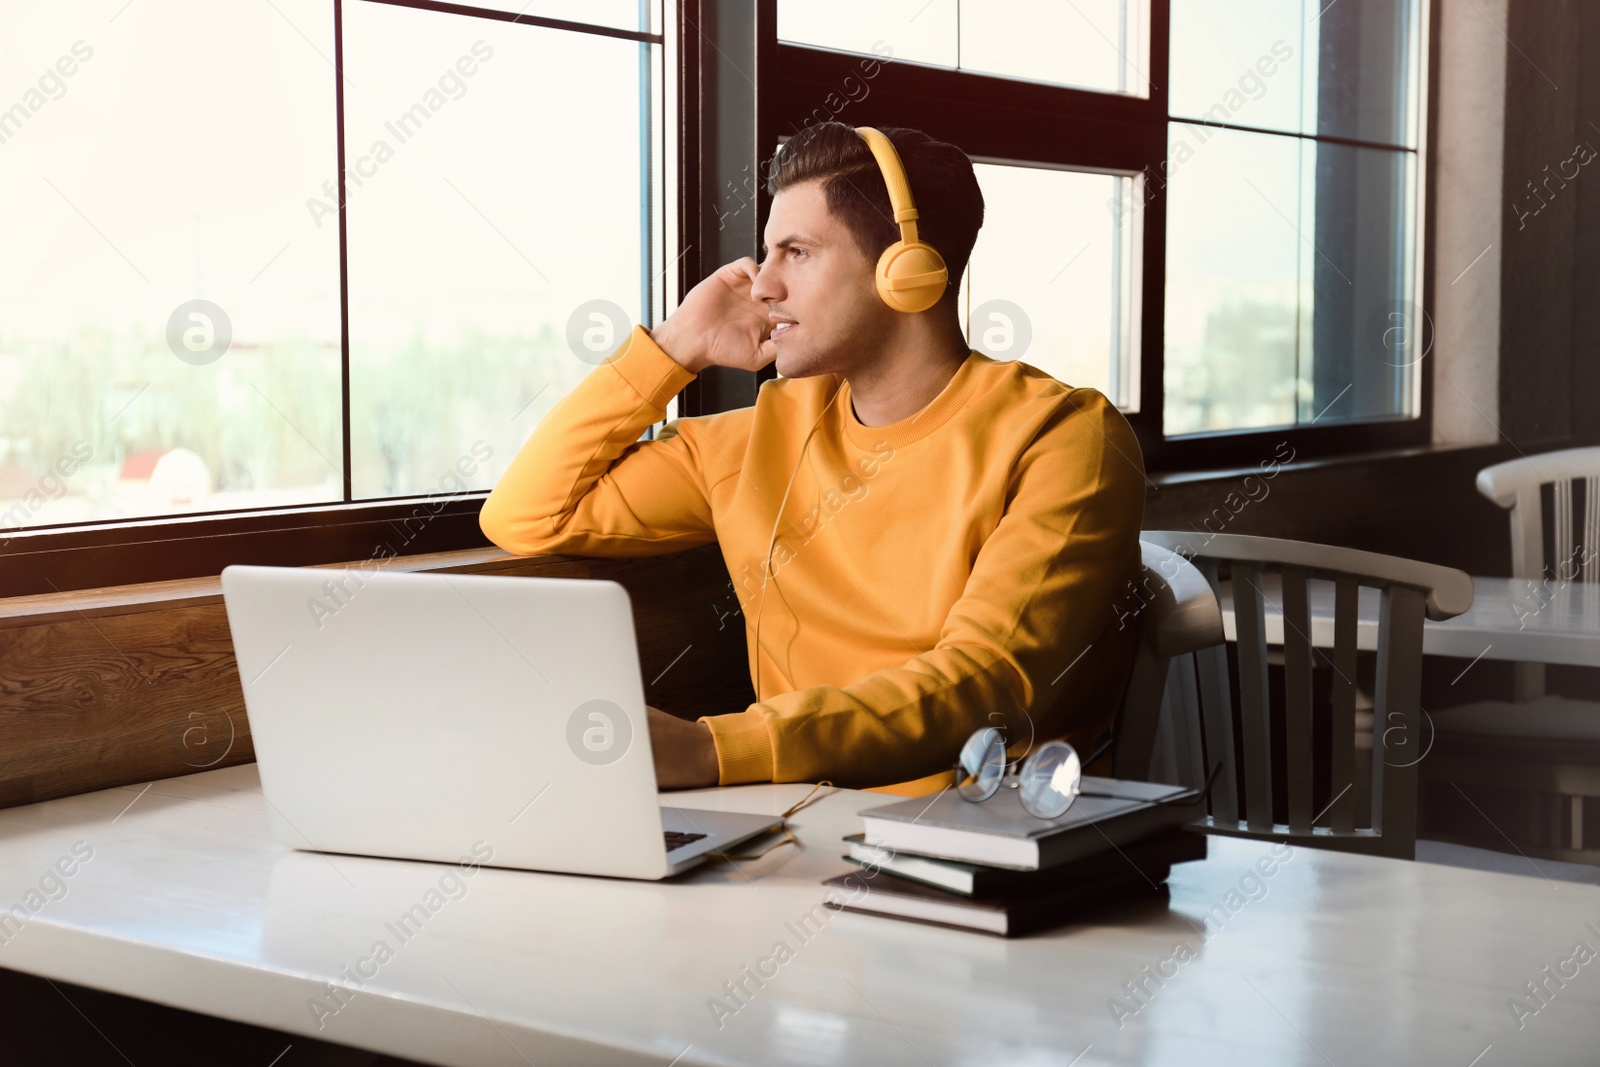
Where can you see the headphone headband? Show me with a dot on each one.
(894, 176)
(911, 275)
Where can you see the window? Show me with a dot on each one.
(144, 198)
(199, 337)
(1079, 322)
(1092, 44)
(516, 218)
(179, 275)
(1291, 289)
(1245, 182)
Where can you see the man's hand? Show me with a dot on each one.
(686, 757)
(719, 324)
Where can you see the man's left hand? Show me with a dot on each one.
(685, 755)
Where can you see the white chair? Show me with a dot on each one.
(1574, 553)
(1536, 743)
(1210, 700)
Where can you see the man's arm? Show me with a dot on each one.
(1039, 595)
(584, 482)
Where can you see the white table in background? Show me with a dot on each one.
(1340, 959)
(1510, 619)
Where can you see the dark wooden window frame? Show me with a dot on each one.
(55, 559)
(1032, 122)
(725, 48)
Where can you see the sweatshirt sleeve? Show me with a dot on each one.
(1038, 597)
(584, 483)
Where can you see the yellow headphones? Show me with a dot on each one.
(911, 275)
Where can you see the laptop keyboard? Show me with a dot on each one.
(677, 839)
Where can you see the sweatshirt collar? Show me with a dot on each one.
(920, 424)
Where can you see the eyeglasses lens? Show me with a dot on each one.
(1050, 780)
(982, 764)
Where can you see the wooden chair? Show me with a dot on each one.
(1177, 615)
(1207, 700)
(1543, 746)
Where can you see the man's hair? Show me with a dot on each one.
(949, 202)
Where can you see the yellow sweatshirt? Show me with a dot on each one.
(957, 569)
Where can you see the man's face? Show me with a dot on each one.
(816, 277)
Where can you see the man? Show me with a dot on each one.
(947, 533)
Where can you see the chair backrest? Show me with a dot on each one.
(1177, 613)
(1207, 704)
(1574, 544)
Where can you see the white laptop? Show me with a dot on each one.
(433, 716)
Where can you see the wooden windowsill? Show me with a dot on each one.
(124, 684)
(43, 608)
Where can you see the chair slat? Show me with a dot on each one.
(1561, 566)
(1216, 715)
(1297, 653)
(1249, 619)
(1181, 723)
(1527, 561)
(1398, 743)
(1341, 805)
(1170, 725)
(1591, 528)
(1527, 534)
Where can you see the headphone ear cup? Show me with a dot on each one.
(911, 277)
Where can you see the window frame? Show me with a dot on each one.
(69, 556)
(718, 120)
(1026, 122)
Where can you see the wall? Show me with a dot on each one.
(1549, 388)
(1469, 162)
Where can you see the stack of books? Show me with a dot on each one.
(995, 868)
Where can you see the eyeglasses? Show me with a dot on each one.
(1047, 781)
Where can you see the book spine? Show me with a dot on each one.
(1064, 848)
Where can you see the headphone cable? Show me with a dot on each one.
(766, 567)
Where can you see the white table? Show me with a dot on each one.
(1340, 959)
(1510, 619)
